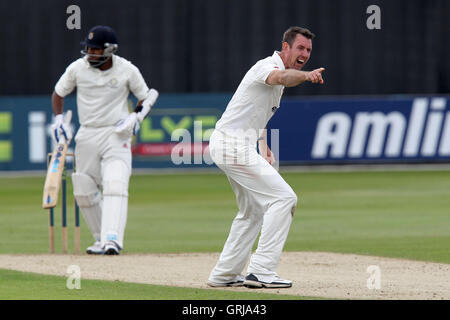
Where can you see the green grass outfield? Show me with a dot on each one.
(402, 214)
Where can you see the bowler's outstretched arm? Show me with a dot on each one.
(292, 77)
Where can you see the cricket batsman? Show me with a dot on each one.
(266, 202)
(104, 81)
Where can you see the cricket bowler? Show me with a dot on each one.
(265, 201)
(104, 81)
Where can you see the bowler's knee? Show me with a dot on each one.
(290, 196)
(291, 200)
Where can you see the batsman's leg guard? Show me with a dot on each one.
(88, 197)
(116, 175)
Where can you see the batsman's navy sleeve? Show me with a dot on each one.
(136, 83)
(67, 83)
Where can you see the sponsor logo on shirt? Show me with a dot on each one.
(113, 83)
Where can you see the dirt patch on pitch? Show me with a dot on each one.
(314, 274)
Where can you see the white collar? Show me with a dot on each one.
(278, 61)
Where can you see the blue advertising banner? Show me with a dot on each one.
(351, 130)
(329, 130)
(177, 124)
(24, 132)
(175, 120)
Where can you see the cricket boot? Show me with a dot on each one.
(96, 248)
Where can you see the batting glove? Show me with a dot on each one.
(147, 105)
(129, 126)
(132, 123)
(61, 131)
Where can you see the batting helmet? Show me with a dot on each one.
(100, 37)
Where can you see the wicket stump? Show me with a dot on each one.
(64, 214)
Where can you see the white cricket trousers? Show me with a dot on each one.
(105, 157)
(266, 203)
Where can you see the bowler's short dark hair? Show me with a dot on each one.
(292, 32)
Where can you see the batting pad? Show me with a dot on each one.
(85, 190)
(88, 198)
(116, 177)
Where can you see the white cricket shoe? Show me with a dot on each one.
(252, 281)
(96, 248)
(111, 248)
(238, 281)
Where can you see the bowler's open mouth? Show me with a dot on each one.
(300, 61)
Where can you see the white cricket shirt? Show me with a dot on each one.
(102, 96)
(254, 101)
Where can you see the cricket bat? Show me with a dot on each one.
(55, 170)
